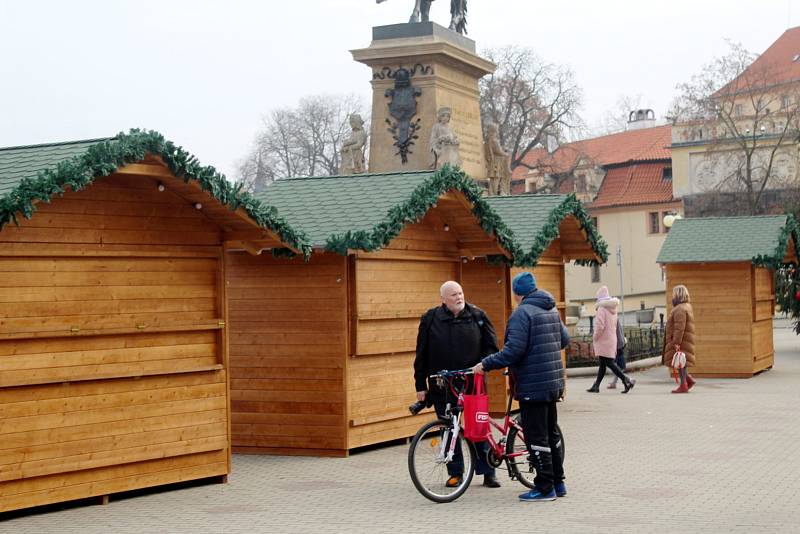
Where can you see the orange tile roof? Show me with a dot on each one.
(638, 183)
(778, 62)
(647, 144)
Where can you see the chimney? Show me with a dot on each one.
(641, 118)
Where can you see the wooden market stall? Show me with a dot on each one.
(113, 346)
(334, 371)
(551, 230)
(728, 264)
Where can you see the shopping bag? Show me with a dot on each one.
(679, 360)
(476, 411)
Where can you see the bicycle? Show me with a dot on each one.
(437, 443)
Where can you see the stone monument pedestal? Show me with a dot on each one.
(445, 69)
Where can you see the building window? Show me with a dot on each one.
(738, 110)
(666, 174)
(653, 224)
(595, 274)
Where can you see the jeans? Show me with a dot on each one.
(440, 399)
(540, 426)
(620, 359)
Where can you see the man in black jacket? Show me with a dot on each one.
(455, 335)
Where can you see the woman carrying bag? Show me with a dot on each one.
(679, 339)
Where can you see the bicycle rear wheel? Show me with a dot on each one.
(427, 465)
(520, 467)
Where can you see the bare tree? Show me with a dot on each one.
(301, 141)
(534, 103)
(747, 114)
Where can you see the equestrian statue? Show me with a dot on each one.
(458, 13)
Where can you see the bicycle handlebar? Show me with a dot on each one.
(448, 374)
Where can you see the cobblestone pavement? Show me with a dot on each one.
(722, 459)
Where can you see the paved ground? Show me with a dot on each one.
(724, 458)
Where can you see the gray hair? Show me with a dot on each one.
(443, 289)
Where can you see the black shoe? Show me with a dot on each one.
(629, 385)
(593, 389)
(490, 481)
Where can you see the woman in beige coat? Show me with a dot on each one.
(680, 336)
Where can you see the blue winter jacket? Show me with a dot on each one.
(534, 338)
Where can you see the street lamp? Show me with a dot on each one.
(670, 218)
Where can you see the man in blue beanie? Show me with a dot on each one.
(534, 339)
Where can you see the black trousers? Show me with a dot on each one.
(611, 364)
(540, 426)
(456, 467)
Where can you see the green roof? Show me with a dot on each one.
(38, 172)
(21, 162)
(762, 240)
(367, 211)
(534, 220)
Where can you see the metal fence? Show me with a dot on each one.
(642, 343)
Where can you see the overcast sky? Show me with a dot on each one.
(203, 73)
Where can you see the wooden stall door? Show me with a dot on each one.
(486, 286)
(111, 355)
(288, 339)
(763, 310)
(721, 297)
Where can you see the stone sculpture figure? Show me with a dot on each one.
(444, 143)
(458, 13)
(352, 151)
(498, 163)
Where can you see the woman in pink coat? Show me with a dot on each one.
(604, 340)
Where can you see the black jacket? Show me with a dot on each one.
(451, 342)
(532, 352)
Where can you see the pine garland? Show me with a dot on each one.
(426, 195)
(414, 209)
(550, 232)
(775, 261)
(787, 276)
(106, 157)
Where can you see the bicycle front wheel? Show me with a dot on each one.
(519, 465)
(428, 462)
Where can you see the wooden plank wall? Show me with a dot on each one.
(288, 324)
(722, 300)
(486, 286)
(763, 310)
(393, 288)
(549, 274)
(112, 360)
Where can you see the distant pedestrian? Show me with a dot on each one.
(622, 342)
(679, 337)
(604, 340)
